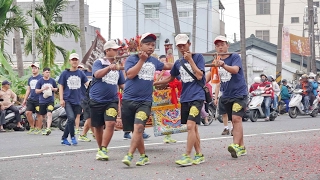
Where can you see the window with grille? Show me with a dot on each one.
(263, 34)
(294, 19)
(151, 11)
(263, 7)
(184, 14)
(316, 3)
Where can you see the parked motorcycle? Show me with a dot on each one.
(256, 107)
(62, 119)
(211, 109)
(296, 107)
(11, 122)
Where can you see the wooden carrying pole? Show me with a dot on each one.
(203, 54)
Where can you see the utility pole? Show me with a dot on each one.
(110, 10)
(279, 47)
(234, 37)
(175, 20)
(312, 58)
(194, 25)
(82, 29)
(137, 17)
(33, 32)
(243, 38)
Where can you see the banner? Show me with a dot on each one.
(299, 45)
(95, 51)
(285, 52)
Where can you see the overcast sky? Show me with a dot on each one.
(99, 11)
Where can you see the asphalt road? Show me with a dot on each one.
(284, 149)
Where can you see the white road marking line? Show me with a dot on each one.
(149, 144)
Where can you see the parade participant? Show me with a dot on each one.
(46, 87)
(70, 83)
(86, 108)
(31, 99)
(192, 96)
(234, 93)
(106, 80)
(9, 98)
(137, 95)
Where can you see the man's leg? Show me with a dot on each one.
(70, 122)
(287, 104)
(237, 106)
(17, 116)
(77, 123)
(2, 119)
(267, 103)
(191, 111)
(141, 115)
(110, 117)
(98, 122)
(225, 119)
(31, 107)
(306, 100)
(49, 114)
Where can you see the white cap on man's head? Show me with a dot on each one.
(181, 39)
(35, 65)
(110, 45)
(143, 36)
(73, 56)
(220, 38)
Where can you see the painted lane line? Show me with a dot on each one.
(149, 144)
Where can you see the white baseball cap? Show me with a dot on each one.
(220, 38)
(181, 39)
(35, 65)
(110, 45)
(74, 56)
(143, 36)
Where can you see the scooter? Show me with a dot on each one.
(256, 107)
(62, 119)
(11, 122)
(296, 106)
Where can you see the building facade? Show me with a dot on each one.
(155, 16)
(70, 16)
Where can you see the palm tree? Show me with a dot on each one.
(9, 23)
(46, 14)
(18, 46)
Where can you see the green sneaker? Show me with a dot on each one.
(184, 161)
(234, 150)
(90, 132)
(198, 159)
(102, 154)
(94, 137)
(77, 131)
(46, 132)
(37, 131)
(243, 150)
(31, 131)
(127, 159)
(143, 160)
(168, 139)
(84, 138)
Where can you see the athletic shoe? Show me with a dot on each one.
(184, 161)
(198, 159)
(65, 142)
(84, 138)
(127, 159)
(143, 160)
